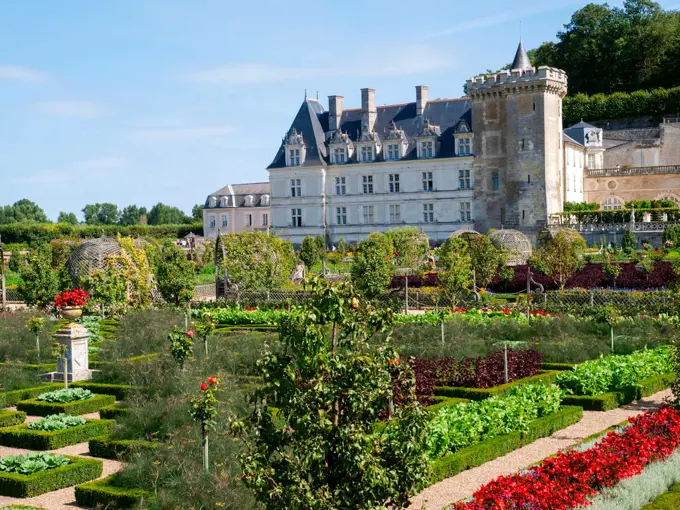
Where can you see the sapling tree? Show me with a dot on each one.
(35, 325)
(311, 440)
(507, 344)
(204, 328)
(372, 266)
(456, 277)
(175, 277)
(204, 411)
(181, 346)
(608, 314)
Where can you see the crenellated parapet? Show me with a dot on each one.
(518, 81)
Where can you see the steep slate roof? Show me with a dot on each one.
(567, 138)
(521, 59)
(240, 192)
(312, 121)
(577, 132)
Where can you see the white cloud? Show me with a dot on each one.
(498, 19)
(412, 60)
(23, 74)
(77, 109)
(182, 133)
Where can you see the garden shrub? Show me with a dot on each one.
(112, 412)
(9, 418)
(457, 427)
(107, 448)
(24, 436)
(40, 408)
(104, 493)
(372, 266)
(545, 377)
(120, 391)
(10, 398)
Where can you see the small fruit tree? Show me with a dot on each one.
(372, 266)
(175, 275)
(204, 411)
(181, 345)
(311, 440)
(608, 314)
(456, 277)
(35, 325)
(204, 328)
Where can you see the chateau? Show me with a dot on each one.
(497, 158)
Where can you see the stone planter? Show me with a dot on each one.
(71, 313)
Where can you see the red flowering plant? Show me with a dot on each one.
(181, 345)
(204, 411)
(568, 479)
(71, 298)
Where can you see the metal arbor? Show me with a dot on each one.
(513, 244)
(464, 234)
(91, 256)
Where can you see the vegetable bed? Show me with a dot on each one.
(105, 494)
(39, 408)
(23, 437)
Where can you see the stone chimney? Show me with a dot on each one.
(335, 106)
(421, 99)
(369, 112)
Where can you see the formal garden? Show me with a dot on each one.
(338, 398)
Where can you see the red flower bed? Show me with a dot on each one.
(569, 479)
(75, 297)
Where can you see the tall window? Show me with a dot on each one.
(224, 220)
(341, 215)
(495, 180)
(212, 222)
(369, 217)
(340, 187)
(428, 182)
(612, 203)
(428, 213)
(465, 211)
(591, 160)
(427, 149)
(295, 188)
(294, 157)
(393, 152)
(249, 220)
(339, 156)
(395, 213)
(366, 154)
(394, 183)
(296, 217)
(265, 220)
(367, 181)
(464, 147)
(464, 179)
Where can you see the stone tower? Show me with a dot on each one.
(517, 122)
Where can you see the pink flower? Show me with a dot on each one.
(190, 334)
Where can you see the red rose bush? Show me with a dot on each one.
(571, 478)
(68, 298)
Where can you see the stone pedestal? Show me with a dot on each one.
(76, 339)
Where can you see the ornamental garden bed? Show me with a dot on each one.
(11, 398)
(120, 391)
(543, 377)
(113, 411)
(106, 494)
(669, 500)
(20, 485)
(10, 418)
(93, 404)
(107, 448)
(23, 437)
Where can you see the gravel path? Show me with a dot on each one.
(63, 499)
(466, 483)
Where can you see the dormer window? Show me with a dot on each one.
(212, 202)
(427, 141)
(366, 154)
(464, 146)
(340, 148)
(264, 200)
(249, 201)
(339, 156)
(368, 146)
(463, 139)
(224, 202)
(393, 152)
(396, 141)
(295, 148)
(427, 149)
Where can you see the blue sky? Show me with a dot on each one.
(141, 101)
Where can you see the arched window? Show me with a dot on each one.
(224, 202)
(612, 203)
(249, 200)
(212, 202)
(265, 199)
(674, 198)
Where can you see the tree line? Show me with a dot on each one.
(26, 211)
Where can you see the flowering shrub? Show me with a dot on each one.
(615, 372)
(181, 345)
(462, 425)
(75, 297)
(568, 479)
(204, 411)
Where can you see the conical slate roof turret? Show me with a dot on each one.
(521, 59)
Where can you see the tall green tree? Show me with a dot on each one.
(41, 282)
(329, 384)
(485, 259)
(101, 214)
(197, 212)
(175, 274)
(309, 252)
(411, 246)
(456, 274)
(562, 255)
(372, 267)
(69, 218)
(131, 215)
(22, 211)
(161, 214)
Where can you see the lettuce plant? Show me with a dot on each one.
(66, 395)
(30, 463)
(56, 422)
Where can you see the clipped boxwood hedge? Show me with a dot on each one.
(612, 400)
(441, 402)
(107, 448)
(112, 412)
(557, 366)
(103, 493)
(669, 500)
(11, 418)
(119, 390)
(545, 377)
(40, 368)
(23, 506)
(478, 454)
(78, 471)
(91, 405)
(11, 398)
(23, 437)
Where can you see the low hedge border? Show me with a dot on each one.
(91, 405)
(558, 366)
(119, 390)
(78, 471)
(11, 398)
(545, 377)
(107, 448)
(23, 506)
(486, 451)
(612, 400)
(103, 493)
(669, 500)
(11, 418)
(35, 367)
(23, 437)
(112, 412)
(441, 402)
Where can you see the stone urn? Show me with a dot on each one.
(71, 313)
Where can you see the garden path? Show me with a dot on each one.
(466, 483)
(62, 499)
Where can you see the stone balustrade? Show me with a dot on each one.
(639, 170)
